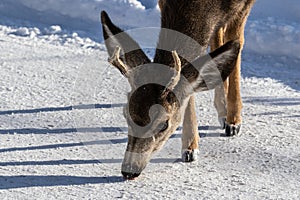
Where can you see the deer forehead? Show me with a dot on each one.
(151, 102)
(151, 73)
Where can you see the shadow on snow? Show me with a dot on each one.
(10, 182)
(56, 109)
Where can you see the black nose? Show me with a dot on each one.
(130, 176)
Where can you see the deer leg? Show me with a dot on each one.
(220, 91)
(235, 30)
(190, 136)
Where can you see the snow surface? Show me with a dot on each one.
(62, 133)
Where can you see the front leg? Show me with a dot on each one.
(190, 136)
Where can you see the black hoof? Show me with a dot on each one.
(231, 130)
(190, 155)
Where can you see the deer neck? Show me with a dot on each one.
(185, 33)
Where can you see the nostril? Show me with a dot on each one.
(130, 176)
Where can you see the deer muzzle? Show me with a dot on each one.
(133, 164)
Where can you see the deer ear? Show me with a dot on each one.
(209, 71)
(122, 49)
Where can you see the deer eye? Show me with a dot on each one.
(163, 126)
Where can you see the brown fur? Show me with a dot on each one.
(213, 22)
(154, 111)
(190, 136)
(233, 29)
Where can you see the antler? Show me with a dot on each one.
(177, 66)
(176, 61)
(116, 61)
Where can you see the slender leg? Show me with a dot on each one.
(220, 91)
(234, 31)
(220, 104)
(190, 136)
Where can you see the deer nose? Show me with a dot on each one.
(130, 176)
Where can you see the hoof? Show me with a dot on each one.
(190, 155)
(231, 130)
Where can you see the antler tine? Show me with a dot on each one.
(116, 61)
(177, 61)
(175, 79)
(177, 64)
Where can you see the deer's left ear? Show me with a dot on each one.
(209, 71)
(125, 53)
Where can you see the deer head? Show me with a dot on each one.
(159, 94)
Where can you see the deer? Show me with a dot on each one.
(162, 89)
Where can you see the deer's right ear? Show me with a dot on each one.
(207, 72)
(124, 52)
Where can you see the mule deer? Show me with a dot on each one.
(162, 97)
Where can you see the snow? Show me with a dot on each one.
(62, 133)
